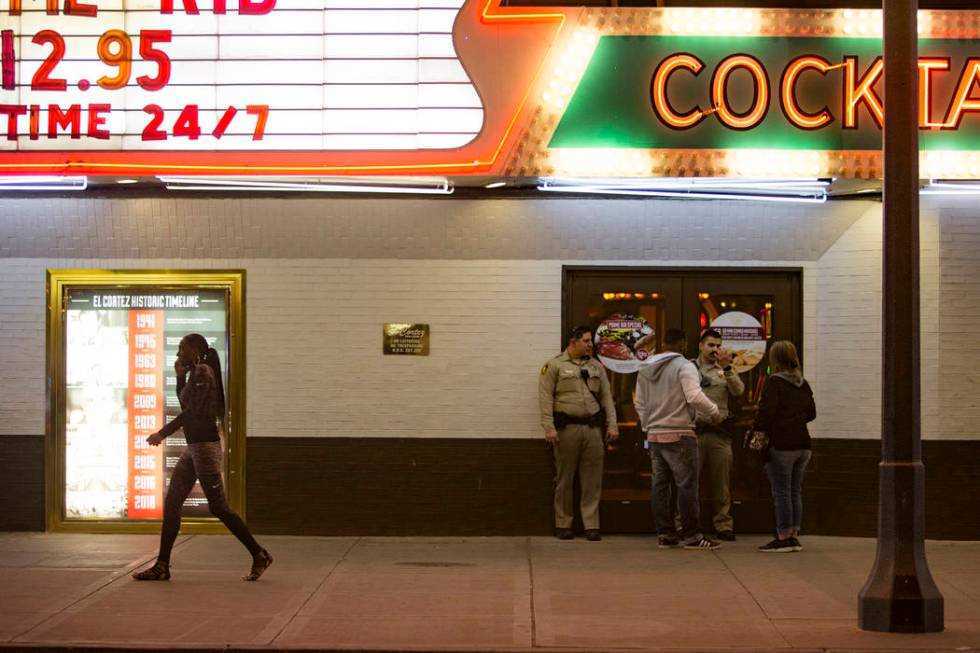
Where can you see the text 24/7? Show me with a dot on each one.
(70, 120)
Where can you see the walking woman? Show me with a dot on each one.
(785, 409)
(202, 403)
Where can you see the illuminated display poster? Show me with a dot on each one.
(121, 345)
(744, 336)
(619, 342)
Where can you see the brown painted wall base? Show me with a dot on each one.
(398, 486)
(415, 486)
(410, 486)
(22, 483)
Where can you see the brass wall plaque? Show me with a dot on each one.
(406, 339)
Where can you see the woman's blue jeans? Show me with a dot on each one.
(785, 471)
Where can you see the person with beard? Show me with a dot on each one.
(719, 380)
(202, 403)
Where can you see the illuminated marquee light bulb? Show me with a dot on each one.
(786, 22)
(864, 22)
(957, 165)
(711, 21)
(570, 67)
(718, 23)
(938, 165)
(599, 162)
(948, 164)
(924, 23)
(777, 163)
(874, 19)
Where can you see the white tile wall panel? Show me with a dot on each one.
(487, 276)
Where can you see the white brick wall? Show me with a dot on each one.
(493, 322)
(323, 276)
(959, 315)
(847, 338)
(930, 293)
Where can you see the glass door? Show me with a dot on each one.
(629, 309)
(629, 315)
(751, 312)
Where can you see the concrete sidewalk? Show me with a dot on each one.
(461, 594)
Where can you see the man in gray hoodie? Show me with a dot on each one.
(668, 398)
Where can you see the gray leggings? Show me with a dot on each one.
(200, 461)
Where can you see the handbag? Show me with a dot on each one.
(758, 441)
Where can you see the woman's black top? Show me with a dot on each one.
(784, 411)
(197, 427)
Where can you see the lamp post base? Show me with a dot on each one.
(887, 614)
(900, 595)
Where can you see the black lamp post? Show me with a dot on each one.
(900, 595)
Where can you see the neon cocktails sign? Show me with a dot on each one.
(745, 92)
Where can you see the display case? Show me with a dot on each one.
(112, 339)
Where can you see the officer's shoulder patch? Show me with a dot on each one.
(544, 369)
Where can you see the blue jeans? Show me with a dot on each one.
(785, 471)
(676, 462)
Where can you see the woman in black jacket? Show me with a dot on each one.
(784, 411)
(202, 403)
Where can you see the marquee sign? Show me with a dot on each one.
(745, 93)
(207, 76)
(326, 87)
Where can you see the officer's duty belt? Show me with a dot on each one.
(564, 419)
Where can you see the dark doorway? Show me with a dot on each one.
(688, 299)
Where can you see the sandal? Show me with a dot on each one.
(159, 571)
(260, 563)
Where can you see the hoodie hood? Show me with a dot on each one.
(668, 395)
(655, 366)
(793, 377)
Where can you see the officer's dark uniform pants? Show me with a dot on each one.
(580, 448)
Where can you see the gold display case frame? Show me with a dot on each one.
(58, 283)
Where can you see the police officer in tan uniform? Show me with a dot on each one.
(719, 380)
(576, 406)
